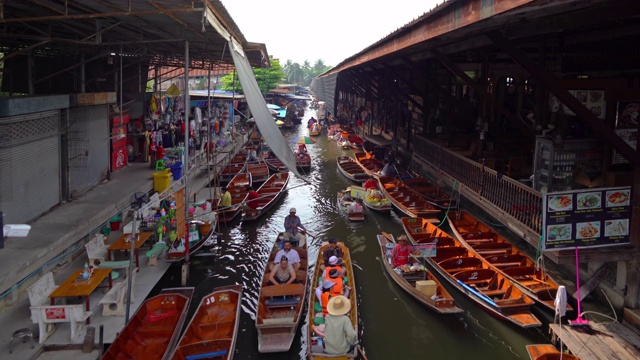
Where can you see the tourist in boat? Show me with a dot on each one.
(226, 198)
(339, 336)
(251, 202)
(401, 252)
(324, 294)
(311, 122)
(302, 149)
(293, 228)
(283, 274)
(253, 156)
(371, 183)
(332, 250)
(287, 252)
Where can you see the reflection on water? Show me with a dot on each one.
(392, 324)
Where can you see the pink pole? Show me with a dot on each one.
(579, 320)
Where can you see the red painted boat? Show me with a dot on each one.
(275, 164)
(259, 171)
(303, 160)
(372, 165)
(355, 141)
(213, 330)
(153, 331)
(405, 199)
(241, 180)
(270, 192)
(235, 166)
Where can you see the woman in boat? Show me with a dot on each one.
(371, 183)
(324, 293)
(302, 149)
(284, 274)
(401, 252)
(339, 336)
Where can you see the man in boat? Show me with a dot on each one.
(332, 250)
(253, 156)
(226, 198)
(293, 228)
(251, 202)
(371, 183)
(289, 253)
(388, 169)
(339, 336)
(401, 252)
(283, 274)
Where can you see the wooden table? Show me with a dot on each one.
(82, 288)
(123, 245)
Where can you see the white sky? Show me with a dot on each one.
(331, 30)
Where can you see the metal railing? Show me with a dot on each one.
(519, 201)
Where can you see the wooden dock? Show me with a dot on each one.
(599, 340)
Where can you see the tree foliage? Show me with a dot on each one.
(267, 78)
(303, 74)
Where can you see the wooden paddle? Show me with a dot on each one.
(388, 236)
(362, 352)
(306, 232)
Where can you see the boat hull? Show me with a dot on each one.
(430, 192)
(270, 193)
(351, 169)
(343, 206)
(405, 199)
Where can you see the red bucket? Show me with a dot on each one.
(115, 225)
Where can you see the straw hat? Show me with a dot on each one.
(338, 305)
(403, 238)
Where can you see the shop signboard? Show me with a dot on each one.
(586, 218)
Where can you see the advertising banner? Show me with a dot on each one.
(586, 218)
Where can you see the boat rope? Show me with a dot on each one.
(446, 214)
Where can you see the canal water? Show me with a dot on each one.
(392, 324)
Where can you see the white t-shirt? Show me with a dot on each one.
(292, 256)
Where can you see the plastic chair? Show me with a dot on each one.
(160, 165)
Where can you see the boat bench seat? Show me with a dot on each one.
(492, 293)
(281, 302)
(507, 264)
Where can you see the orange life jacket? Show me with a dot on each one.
(324, 301)
(337, 288)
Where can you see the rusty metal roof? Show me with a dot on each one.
(153, 29)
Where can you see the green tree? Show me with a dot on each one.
(267, 78)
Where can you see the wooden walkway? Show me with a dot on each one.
(597, 341)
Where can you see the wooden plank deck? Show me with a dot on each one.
(599, 340)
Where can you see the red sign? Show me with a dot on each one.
(119, 121)
(118, 137)
(119, 158)
(55, 314)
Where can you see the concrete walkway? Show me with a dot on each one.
(56, 240)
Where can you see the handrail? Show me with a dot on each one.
(519, 201)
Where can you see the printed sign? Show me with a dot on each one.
(424, 250)
(55, 314)
(586, 218)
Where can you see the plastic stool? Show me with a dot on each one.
(23, 334)
(160, 165)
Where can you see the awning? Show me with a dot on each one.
(378, 140)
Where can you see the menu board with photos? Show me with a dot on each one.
(586, 218)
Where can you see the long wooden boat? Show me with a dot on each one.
(351, 169)
(241, 180)
(280, 307)
(471, 275)
(275, 164)
(505, 258)
(303, 160)
(373, 199)
(355, 141)
(405, 199)
(234, 167)
(434, 194)
(315, 130)
(195, 245)
(213, 329)
(548, 352)
(436, 297)
(343, 205)
(238, 196)
(270, 192)
(353, 313)
(372, 165)
(259, 171)
(153, 331)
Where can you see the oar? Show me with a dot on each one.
(301, 229)
(362, 352)
(388, 236)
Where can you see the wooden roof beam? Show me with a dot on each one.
(563, 95)
(99, 15)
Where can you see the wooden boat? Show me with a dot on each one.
(505, 258)
(241, 180)
(347, 129)
(372, 165)
(259, 171)
(270, 192)
(213, 329)
(195, 245)
(405, 199)
(343, 143)
(154, 329)
(315, 130)
(303, 160)
(351, 169)
(435, 195)
(471, 275)
(373, 199)
(548, 352)
(440, 301)
(234, 167)
(238, 196)
(353, 313)
(280, 307)
(275, 164)
(344, 202)
(355, 141)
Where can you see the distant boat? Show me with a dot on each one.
(259, 171)
(303, 160)
(344, 206)
(372, 165)
(405, 199)
(241, 180)
(234, 167)
(351, 169)
(435, 195)
(153, 331)
(213, 329)
(373, 198)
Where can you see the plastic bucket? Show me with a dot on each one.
(176, 170)
(161, 180)
(115, 222)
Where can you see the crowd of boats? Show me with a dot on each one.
(477, 261)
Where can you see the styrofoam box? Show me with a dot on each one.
(20, 230)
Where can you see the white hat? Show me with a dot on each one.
(335, 260)
(292, 210)
(328, 284)
(338, 305)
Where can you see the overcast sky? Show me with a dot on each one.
(331, 30)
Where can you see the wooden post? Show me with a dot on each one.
(633, 280)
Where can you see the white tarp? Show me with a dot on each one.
(259, 110)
